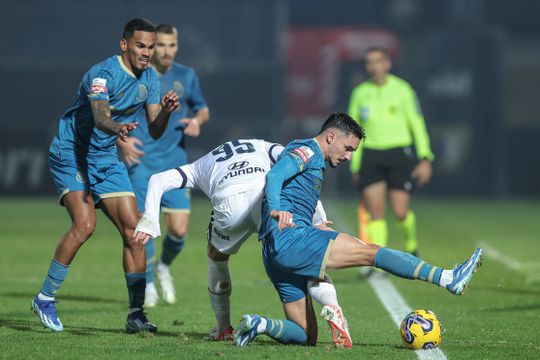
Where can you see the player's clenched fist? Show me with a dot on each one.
(169, 102)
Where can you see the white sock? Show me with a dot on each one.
(151, 287)
(323, 291)
(261, 328)
(162, 267)
(219, 289)
(132, 310)
(42, 296)
(447, 276)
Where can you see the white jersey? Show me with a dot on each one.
(233, 167)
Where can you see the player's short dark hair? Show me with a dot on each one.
(166, 29)
(380, 49)
(137, 24)
(345, 123)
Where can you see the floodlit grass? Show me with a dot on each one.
(498, 317)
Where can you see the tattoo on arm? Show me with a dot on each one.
(102, 117)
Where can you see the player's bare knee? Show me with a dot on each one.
(178, 231)
(84, 229)
(400, 214)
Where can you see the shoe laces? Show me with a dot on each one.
(48, 307)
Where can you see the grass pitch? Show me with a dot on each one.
(498, 317)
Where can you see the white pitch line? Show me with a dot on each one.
(393, 302)
(529, 269)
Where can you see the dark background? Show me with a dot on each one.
(474, 64)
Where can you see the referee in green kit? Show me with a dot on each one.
(387, 108)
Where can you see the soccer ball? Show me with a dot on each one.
(421, 329)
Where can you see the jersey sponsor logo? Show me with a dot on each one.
(142, 94)
(240, 172)
(238, 165)
(99, 86)
(304, 152)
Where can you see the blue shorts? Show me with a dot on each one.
(294, 256)
(174, 201)
(104, 178)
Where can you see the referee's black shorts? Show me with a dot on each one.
(393, 166)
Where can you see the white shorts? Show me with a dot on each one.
(234, 219)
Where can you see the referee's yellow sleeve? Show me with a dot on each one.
(414, 116)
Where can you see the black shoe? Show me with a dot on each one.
(414, 253)
(137, 322)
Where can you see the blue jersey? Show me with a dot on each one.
(302, 176)
(168, 151)
(108, 80)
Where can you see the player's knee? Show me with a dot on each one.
(84, 228)
(178, 230)
(215, 254)
(400, 214)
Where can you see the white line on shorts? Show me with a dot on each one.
(387, 293)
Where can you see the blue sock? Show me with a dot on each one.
(150, 260)
(172, 246)
(286, 332)
(55, 277)
(136, 284)
(406, 266)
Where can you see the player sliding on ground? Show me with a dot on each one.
(233, 177)
(295, 251)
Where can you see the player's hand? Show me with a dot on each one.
(123, 131)
(422, 172)
(324, 225)
(169, 102)
(129, 152)
(193, 127)
(284, 219)
(141, 237)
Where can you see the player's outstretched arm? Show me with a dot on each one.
(157, 115)
(102, 119)
(159, 183)
(285, 168)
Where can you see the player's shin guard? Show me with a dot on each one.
(55, 277)
(407, 266)
(172, 246)
(150, 260)
(408, 228)
(286, 332)
(136, 284)
(378, 232)
(219, 289)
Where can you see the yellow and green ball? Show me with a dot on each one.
(421, 329)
